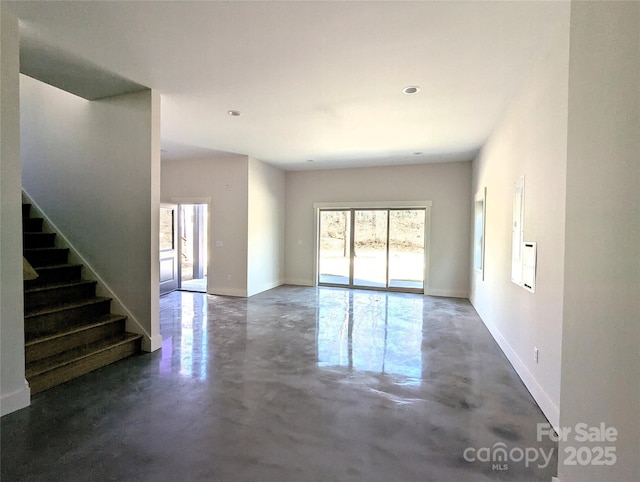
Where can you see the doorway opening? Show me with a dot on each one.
(380, 248)
(183, 247)
(193, 242)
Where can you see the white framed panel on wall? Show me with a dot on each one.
(517, 235)
(529, 261)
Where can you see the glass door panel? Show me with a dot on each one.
(406, 248)
(169, 276)
(193, 247)
(334, 258)
(370, 248)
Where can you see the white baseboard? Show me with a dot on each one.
(10, 402)
(222, 291)
(547, 406)
(151, 344)
(447, 293)
(299, 282)
(430, 292)
(267, 286)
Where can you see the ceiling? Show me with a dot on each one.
(316, 81)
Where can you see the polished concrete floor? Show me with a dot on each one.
(293, 384)
(198, 284)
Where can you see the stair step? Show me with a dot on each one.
(38, 257)
(61, 368)
(56, 273)
(51, 319)
(32, 225)
(26, 210)
(38, 240)
(58, 293)
(107, 326)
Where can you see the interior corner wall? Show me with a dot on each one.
(14, 391)
(530, 140)
(225, 182)
(265, 243)
(601, 328)
(88, 165)
(447, 185)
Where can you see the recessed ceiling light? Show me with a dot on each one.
(410, 90)
(309, 160)
(234, 113)
(417, 153)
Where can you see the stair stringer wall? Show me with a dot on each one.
(133, 325)
(95, 167)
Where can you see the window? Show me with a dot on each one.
(373, 245)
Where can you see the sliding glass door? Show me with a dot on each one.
(372, 248)
(370, 235)
(406, 248)
(334, 245)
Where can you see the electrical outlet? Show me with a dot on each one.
(535, 354)
(228, 277)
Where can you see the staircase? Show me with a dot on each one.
(69, 331)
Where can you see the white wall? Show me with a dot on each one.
(154, 224)
(601, 330)
(14, 391)
(91, 166)
(531, 140)
(448, 185)
(225, 182)
(266, 225)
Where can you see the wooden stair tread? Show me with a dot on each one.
(63, 284)
(65, 306)
(99, 321)
(54, 362)
(51, 268)
(55, 273)
(55, 266)
(45, 256)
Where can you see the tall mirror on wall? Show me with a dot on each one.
(479, 214)
(517, 234)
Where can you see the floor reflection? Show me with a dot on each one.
(302, 384)
(370, 331)
(188, 336)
